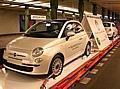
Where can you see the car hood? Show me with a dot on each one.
(29, 43)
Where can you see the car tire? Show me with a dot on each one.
(87, 49)
(112, 37)
(56, 66)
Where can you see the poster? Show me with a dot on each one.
(93, 24)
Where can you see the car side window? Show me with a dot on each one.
(113, 25)
(78, 28)
(72, 26)
(69, 27)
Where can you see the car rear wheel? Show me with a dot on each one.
(56, 66)
(112, 37)
(88, 49)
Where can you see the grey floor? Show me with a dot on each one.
(108, 75)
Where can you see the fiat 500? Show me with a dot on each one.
(111, 29)
(46, 47)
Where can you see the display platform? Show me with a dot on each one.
(13, 80)
(71, 73)
(101, 75)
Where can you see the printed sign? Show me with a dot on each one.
(96, 27)
(38, 17)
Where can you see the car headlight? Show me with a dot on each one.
(37, 52)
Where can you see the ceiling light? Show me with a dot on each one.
(14, 5)
(106, 16)
(31, 7)
(43, 4)
(110, 17)
(34, 2)
(5, 4)
(22, 6)
(59, 11)
(34, 8)
(68, 8)
(37, 4)
(76, 14)
(69, 13)
(9, 0)
(22, 1)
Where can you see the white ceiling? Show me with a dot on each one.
(113, 5)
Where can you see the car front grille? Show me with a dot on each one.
(16, 56)
(18, 67)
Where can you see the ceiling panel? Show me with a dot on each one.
(113, 5)
(67, 3)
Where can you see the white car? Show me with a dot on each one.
(46, 47)
(110, 29)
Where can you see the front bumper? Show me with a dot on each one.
(30, 70)
(23, 63)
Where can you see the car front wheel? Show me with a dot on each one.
(56, 66)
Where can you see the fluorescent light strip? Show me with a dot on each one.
(9, 0)
(21, 6)
(30, 7)
(34, 8)
(14, 5)
(67, 8)
(37, 4)
(22, 1)
(76, 14)
(34, 2)
(59, 11)
(5, 4)
(69, 13)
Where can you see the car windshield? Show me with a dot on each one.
(45, 29)
(106, 24)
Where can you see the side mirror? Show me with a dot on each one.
(69, 34)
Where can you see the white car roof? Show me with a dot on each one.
(109, 22)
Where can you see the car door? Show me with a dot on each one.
(81, 38)
(73, 43)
